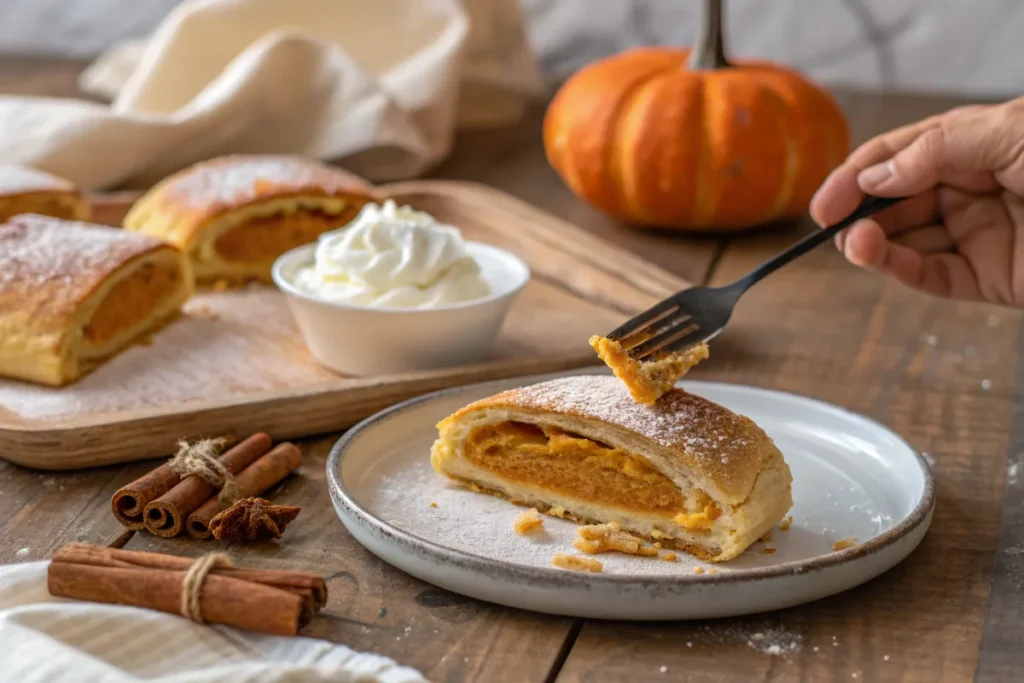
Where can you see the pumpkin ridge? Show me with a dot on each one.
(791, 169)
(620, 144)
(705, 206)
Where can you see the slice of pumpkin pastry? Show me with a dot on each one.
(685, 471)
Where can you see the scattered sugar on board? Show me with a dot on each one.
(761, 635)
(252, 346)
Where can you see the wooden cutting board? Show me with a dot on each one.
(236, 364)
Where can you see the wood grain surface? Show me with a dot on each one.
(944, 375)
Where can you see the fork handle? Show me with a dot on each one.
(870, 206)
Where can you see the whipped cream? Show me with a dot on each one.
(393, 257)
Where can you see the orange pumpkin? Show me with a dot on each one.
(668, 138)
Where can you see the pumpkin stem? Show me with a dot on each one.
(709, 50)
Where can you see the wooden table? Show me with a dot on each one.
(944, 375)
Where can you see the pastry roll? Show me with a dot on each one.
(648, 380)
(686, 472)
(235, 215)
(73, 294)
(26, 190)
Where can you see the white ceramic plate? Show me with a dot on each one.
(852, 477)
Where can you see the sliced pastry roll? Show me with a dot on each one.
(686, 472)
(26, 190)
(73, 294)
(235, 215)
(648, 380)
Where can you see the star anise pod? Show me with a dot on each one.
(252, 519)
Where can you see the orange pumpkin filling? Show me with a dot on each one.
(647, 380)
(578, 467)
(264, 239)
(46, 206)
(131, 300)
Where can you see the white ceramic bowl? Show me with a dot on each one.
(364, 340)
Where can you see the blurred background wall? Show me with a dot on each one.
(969, 47)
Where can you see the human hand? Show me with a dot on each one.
(960, 233)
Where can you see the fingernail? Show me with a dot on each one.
(874, 176)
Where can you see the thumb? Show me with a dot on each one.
(958, 148)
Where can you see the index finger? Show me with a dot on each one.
(840, 194)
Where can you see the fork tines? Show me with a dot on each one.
(660, 329)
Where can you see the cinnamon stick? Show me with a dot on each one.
(129, 502)
(309, 587)
(121, 577)
(165, 516)
(284, 459)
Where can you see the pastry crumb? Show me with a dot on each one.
(658, 534)
(657, 545)
(576, 563)
(786, 523)
(433, 504)
(603, 538)
(557, 511)
(712, 571)
(698, 570)
(204, 311)
(844, 543)
(768, 551)
(669, 557)
(527, 521)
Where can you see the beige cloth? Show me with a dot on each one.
(377, 84)
(51, 640)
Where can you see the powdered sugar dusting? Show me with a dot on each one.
(238, 179)
(722, 442)
(36, 250)
(227, 344)
(18, 179)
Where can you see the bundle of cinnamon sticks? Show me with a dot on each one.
(165, 504)
(262, 600)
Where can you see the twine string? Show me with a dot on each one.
(192, 584)
(200, 459)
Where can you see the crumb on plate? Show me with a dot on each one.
(603, 538)
(768, 551)
(844, 543)
(786, 523)
(698, 570)
(433, 504)
(576, 563)
(527, 521)
(669, 557)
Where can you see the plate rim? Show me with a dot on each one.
(919, 515)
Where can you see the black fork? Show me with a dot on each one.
(697, 314)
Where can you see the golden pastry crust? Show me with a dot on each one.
(648, 380)
(73, 294)
(27, 190)
(235, 215)
(685, 471)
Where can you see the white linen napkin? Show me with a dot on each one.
(380, 85)
(44, 639)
